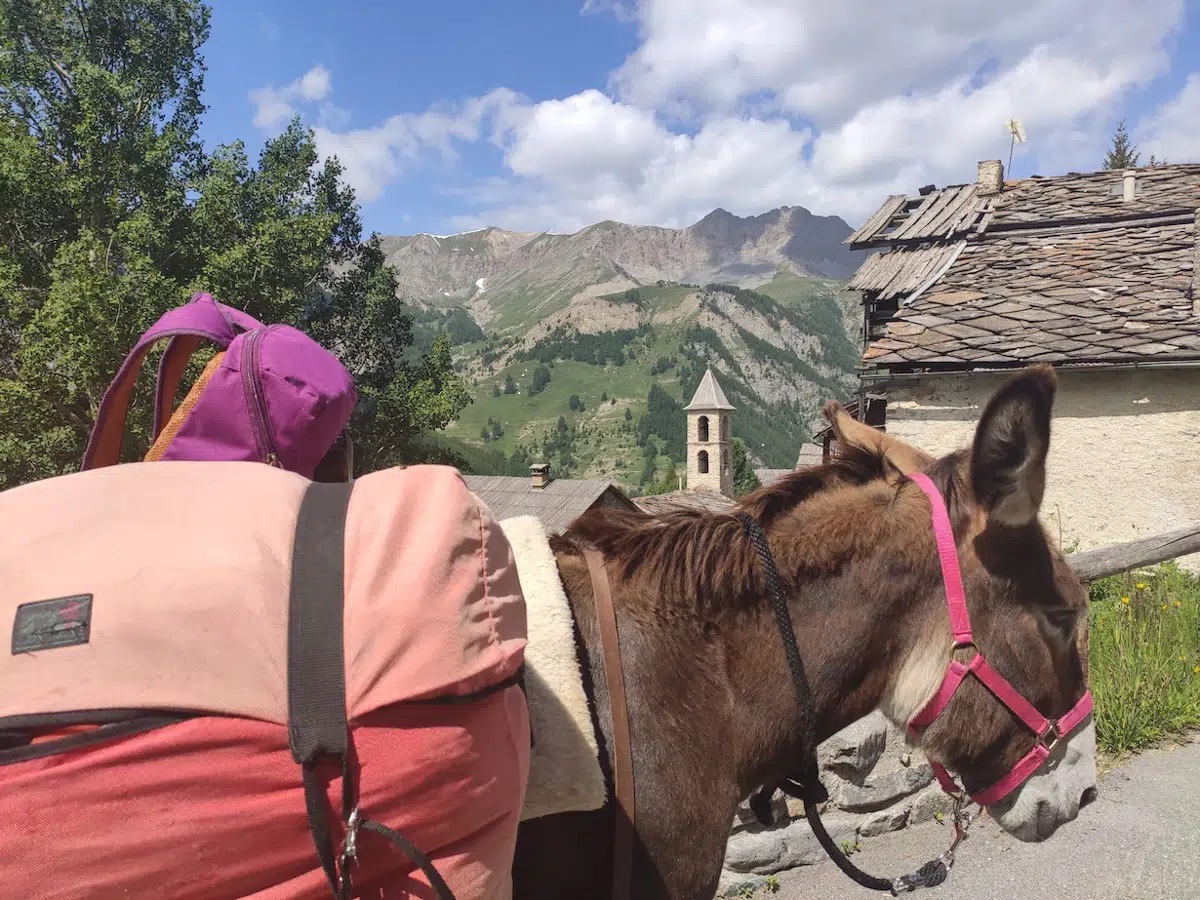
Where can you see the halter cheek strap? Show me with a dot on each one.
(1048, 732)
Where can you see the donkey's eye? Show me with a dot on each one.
(1063, 619)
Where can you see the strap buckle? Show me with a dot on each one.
(1049, 738)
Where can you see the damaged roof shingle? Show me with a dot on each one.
(1064, 271)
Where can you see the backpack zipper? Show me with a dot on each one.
(256, 401)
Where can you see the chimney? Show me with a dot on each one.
(991, 177)
(1129, 185)
(540, 473)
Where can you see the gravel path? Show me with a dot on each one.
(1140, 840)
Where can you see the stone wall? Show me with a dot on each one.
(719, 477)
(876, 784)
(1123, 447)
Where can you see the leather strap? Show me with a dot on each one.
(610, 646)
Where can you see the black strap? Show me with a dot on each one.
(317, 726)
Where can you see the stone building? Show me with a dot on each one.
(709, 454)
(1097, 274)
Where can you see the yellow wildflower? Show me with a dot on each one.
(1164, 606)
(1141, 585)
(1125, 600)
(1196, 670)
(1179, 604)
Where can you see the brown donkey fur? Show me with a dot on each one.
(712, 711)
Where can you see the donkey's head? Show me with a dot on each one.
(1028, 614)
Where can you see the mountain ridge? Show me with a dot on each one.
(582, 348)
(487, 269)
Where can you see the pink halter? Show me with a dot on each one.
(1048, 733)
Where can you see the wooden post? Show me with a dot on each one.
(1093, 564)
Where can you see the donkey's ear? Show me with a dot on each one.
(1008, 458)
(849, 431)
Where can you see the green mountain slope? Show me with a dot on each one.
(597, 387)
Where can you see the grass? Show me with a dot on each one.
(1144, 657)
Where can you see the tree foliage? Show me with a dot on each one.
(1122, 154)
(744, 478)
(541, 378)
(111, 213)
(665, 419)
(567, 343)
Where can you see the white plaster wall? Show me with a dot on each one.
(1124, 447)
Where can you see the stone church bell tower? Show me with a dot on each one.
(709, 441)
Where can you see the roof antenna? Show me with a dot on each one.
(1017, 130)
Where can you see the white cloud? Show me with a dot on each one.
(624, 12)
(314, 84)
(827, 60)
(374, 157)
(1173, 132)
(751, 104)
(273, 106)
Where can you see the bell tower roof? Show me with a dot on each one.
(709, 397)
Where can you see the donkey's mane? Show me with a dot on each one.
(699, 554)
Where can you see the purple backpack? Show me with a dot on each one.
(273, 395)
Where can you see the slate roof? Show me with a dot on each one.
(557, 505)
(1059, 270)
(709, 395)
(770, 476)
(709, 501)
(810, 455)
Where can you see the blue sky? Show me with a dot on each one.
(551, 114)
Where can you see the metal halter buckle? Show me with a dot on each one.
(1052, 734)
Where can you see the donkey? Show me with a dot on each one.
(712, 711)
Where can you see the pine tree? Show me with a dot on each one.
(1123, 154)
(744, 478)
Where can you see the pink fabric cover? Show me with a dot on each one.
(189, 566)
(213, 808)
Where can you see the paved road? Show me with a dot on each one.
(1140, 840)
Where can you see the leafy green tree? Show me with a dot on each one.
(510, 386)
(541, 378)
(111, 213)
(495, 390)
(573, 402)
(1122, 154)
(744, 479)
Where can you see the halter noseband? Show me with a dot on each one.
(1048, 732)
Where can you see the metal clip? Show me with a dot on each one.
(937, 871)
(350, 851)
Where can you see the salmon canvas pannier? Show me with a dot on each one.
(215, 665)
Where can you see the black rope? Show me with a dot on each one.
(440, 888)
(835, 853)
(806, 784)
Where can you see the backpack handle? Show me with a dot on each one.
(186, 327)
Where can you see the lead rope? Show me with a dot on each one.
(806, 786)
(357, 821)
